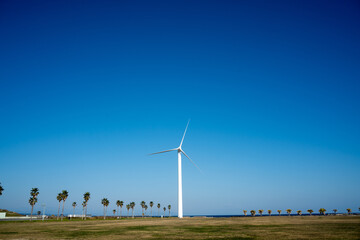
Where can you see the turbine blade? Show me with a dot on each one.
(184, 133)
(191, 160)
(164, 151)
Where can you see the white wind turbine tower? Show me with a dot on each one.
(179, 151)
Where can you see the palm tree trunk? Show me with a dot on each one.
(62, 212)
(151, 211)
(85, 211)
(132, 213)
(120, 212)
(58, 211)
(73, 212)
(32, 208)
(104, 212)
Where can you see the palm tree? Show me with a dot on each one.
(145, 207)
(269, 212)
(279, 211)
(132, 205)
(348, 210)
(151, 205)
(114, 211)
(84, 206)
(121, 205)
(38, 213)
(64, 196)
(74, 206)
(310, 211)
(142, 204)
(299, 212)
(261, 212)
(164, 210)
(86, 199)
(169, 207)
(32, 202)
(245, 212)
(1, 189)
(59, 198)
(106, 205)
(335, 210)
(128, 208)
(158, 206)
(322, 211)
(105, 202)
(288, 211)
(118, 205)
(253, 212)
(33, 199)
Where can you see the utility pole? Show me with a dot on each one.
(43, 216)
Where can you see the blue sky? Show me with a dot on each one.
(89, 88)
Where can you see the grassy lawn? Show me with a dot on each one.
(295, 227)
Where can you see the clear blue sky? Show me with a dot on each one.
(89, 88)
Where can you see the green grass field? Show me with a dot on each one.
(274, 227)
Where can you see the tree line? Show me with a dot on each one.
(322, 211)
(62, 196)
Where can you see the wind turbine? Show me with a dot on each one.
(179, 151)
